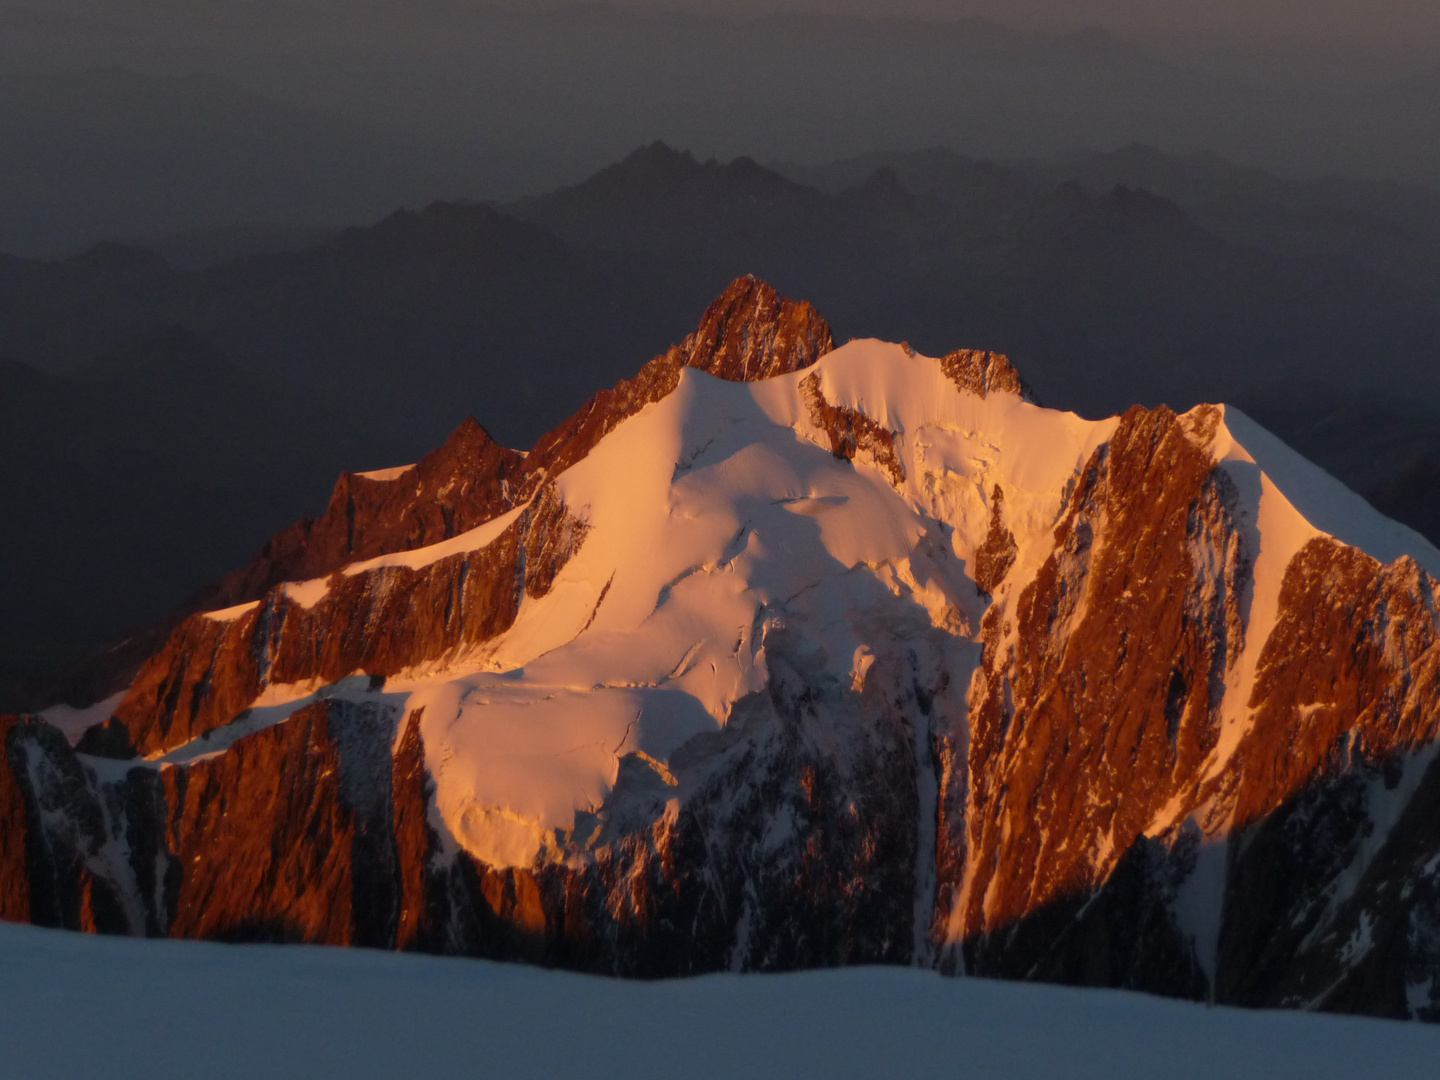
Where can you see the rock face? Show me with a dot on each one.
(377, 620)
(750, 332)
(777, 656)
(454, 489)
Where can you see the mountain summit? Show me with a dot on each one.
(781, 655)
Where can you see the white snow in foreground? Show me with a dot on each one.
(77, 1006)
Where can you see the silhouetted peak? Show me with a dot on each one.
(659, 156)
(1097, 41)
(884, 184)
(458, 227)
(660, 166)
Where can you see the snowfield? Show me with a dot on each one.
(725, 540)
(718, 516)
(79, 1006)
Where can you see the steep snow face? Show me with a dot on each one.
(719, 516)
(871, 662)
(725, 520)
(1288, 501)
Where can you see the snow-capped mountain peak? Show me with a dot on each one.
(783, 655)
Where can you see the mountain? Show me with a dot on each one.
(1108, 297)
(368, 1015)
(1413, 496)
(139, 477)
(442, 100)
(440, 313)
(512, 315)
(1362, 436)
(1390, 228)
(780, 656)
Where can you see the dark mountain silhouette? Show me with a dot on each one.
(135, 119)
(136, 478)
(1388, 227)
(428, 316)
(513, 315)
(1413, 495)
(1107, 297)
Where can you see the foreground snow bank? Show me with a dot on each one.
(83, 1007)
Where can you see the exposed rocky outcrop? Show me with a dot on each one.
(850, 432)
(750, 332)
(1099, 689)
(287, 836)
(81, 857)
(378, 621)
(450, 491)
(14, 836)
(981, 373)
(1334, 785)
(1353, 661)
(1062, 751)
(997, 554)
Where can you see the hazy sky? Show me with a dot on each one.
(1400, 22)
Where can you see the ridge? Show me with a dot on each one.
(781, 656)
(749, 332)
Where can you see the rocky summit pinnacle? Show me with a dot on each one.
(779, 655)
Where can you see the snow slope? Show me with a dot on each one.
(81, 1007)
(718, 515)
(876, 661)
(714, 513)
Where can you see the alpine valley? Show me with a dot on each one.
(778, 656)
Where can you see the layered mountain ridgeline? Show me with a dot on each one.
(132, 481)
(450, 103)
(748, 332)
(388, 336)
(781, 656)
(1090, 282)
(1090, 268)
(405, 317)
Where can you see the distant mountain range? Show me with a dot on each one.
(1312, 304)
(120, 120)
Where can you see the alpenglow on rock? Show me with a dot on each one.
(779, 656)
